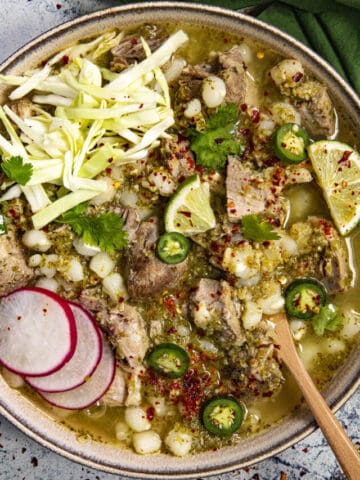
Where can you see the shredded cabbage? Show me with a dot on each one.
(99, 118)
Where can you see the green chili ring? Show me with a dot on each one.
(222, 415)
(304, 298)
(290, 142)
(173, 247)
(169, 359)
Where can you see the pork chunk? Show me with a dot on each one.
(14, 272)
(318, 115)
(215, 308)
(115, 396)
(240, 87)
(147, 275)
(128, 334)
(130, 50)
(244, 195)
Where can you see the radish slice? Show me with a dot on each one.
(37, 332)
(84, 361)
(90, 391)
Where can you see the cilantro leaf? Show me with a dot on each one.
(217, 141)
(255, 227)
(104, 231)
(327, 319)
(17, 170)
(226, 115)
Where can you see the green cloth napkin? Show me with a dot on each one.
(330, 27)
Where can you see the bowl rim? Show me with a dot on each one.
(16, 410)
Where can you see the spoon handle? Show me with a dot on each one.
(344, 450)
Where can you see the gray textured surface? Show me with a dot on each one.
(21, 457)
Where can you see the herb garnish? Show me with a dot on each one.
(17, 170)
(104, 231)
(327, 319)
(255, 227)
(213, 145)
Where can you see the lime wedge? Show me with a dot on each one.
(337, 167)
(189, 210)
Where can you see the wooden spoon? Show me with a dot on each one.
(344, 450)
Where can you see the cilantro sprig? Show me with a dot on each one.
(255, 227)
(17, 170)
(104, 231)
(213, 145)
(328, 319)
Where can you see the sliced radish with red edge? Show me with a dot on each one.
(37, 332)
(82, 364)
(90, 391)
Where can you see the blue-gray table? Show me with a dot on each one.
(21, 457)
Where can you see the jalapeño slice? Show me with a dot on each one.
(169, 360)
(172, 247)
(290, 142)
(222, 415)
(304, 298)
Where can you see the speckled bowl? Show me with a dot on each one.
(42, 427)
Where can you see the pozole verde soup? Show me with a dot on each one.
(182, 186)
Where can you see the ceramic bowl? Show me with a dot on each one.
(40, 426)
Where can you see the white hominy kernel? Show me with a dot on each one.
(288, 72)
(179, 443)
(298, 329)
(36, 240)
(74, 270)
(114, 286)
(213, 91)
(252, 315)
(48, 265)
(105, 196)
(175, 69)
(85, 249)
(122, 431)
(193, 108)
(146, 442)
(102, 264)
(136, 419)
(48, 283)
(159, 405)
(246, 52)
(34, 260)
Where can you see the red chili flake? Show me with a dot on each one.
(141, 106)
(170, 304)
(297, 77)
(65, 59)
(244, 131)
(110, 160)
(190, 162)
(34, 462)
(44, 310)
(305, 450)
(244, 66)
(58, 6)
(255, 116)
(344, 160)
(150, 412)
(108, 171)
(226, 40)
(186, 214)
(266, 93)
(243, 107)
(133, 41)
(19, 317)
(266, 243)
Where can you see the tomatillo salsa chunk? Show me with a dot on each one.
(290, 143)
(304, 298)
(222, 415)
(173, 247)
(169, 360)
